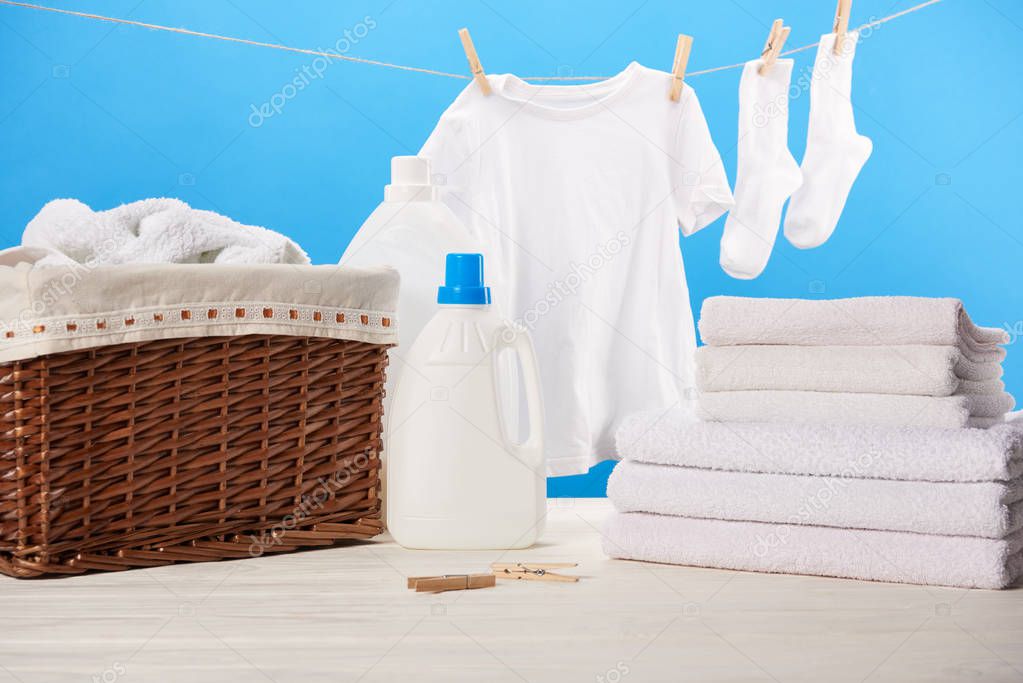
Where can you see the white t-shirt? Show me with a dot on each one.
(577, 194)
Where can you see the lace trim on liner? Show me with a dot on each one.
(190, 315)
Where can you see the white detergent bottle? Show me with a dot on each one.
(411, 230)
(456, 479)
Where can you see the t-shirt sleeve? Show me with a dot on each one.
(454, 153)
(702, 192)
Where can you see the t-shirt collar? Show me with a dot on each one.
(565, 101)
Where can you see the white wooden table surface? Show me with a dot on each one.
(345, 615)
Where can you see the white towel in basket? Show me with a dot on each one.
(151, 231)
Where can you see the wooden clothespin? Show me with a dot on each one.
(678, 68)
(533, 571)
(841, 24)
(475, 66)
(450, 582)
(775, 41)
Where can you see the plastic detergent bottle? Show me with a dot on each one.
(456, 479)
(411, 231)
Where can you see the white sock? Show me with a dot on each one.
(835, 152)
(767, 173)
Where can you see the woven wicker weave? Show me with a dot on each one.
(187, 450)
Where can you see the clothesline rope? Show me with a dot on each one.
(689, 74)
(403, 67)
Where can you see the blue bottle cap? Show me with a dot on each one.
(463, 281)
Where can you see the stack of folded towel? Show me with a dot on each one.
(872, 360)
(831, 439)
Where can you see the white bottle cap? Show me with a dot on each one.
(410, 180)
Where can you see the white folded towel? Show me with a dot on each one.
(674, 437)
(894, 556)
(863, 321)
(987, 509)
(822, 407)
(151, 231)
(987, 386)
(910, 369)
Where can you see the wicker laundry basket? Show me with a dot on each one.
(210, 431)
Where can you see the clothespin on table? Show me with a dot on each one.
(475, 66)
(450, 582)
(841, 24)
(533, 571)
(775, 41)
(678, 68)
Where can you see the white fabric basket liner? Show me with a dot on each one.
(46, 310)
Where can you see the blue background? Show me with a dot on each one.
(112, 114)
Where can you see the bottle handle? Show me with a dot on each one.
(511, 337)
